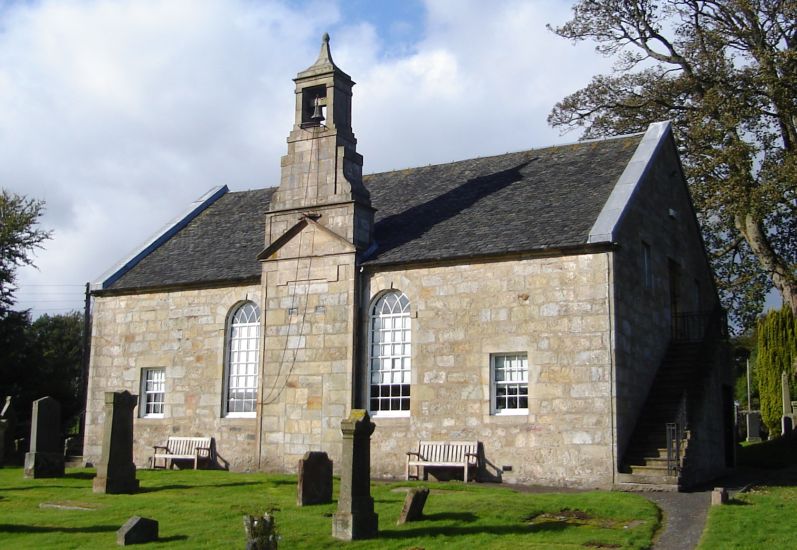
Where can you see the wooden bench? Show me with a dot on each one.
(183, 448)
(451, 454)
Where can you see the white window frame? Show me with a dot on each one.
(389, 355)
(152, 400)
(511, 377)
(241, 360)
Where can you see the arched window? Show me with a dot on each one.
(242, 360)
(389, 356)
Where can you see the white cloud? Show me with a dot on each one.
(120, 113)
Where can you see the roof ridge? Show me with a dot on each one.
(533, 149)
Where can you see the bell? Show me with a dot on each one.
(318, 113)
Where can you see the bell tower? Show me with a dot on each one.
(318, 222)
(322, 167)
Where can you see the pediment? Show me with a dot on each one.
(304, 239)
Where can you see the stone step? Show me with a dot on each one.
(645, 487)
(648, 479)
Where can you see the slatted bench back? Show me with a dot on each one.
(187, 445)
(447, 451)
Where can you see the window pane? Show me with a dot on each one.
(390, 353)
(243, 359)
(510, 382)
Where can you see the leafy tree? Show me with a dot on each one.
(725, 73)
(18, 237)
(41, 358)
(777, 353)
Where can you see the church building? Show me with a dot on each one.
(555, 305)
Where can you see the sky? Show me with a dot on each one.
(119, 114)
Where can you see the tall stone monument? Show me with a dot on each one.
(787, 420)
(46, 456)
(355, 518)
(116, 472)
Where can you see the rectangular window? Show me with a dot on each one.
(153, 393)
(647, 268)
(510, 383)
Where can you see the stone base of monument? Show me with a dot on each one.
(44, 465)
(115, 484)
(362, 524)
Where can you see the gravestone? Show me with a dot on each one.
(137, 530)
(116, 472)
(9, 415)
(753, 426)
(261, 533)
(413, 505)
(3, 428)
(355, 518)
(46, 456)
(719, 496)
(315, 479)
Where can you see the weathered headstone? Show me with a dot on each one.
(3, 428)
(355, 518)
(137, 530)
(315, 479)
(261, 533)
(413, 505)
(116, 472)
(10, 417)
(753, 426)
(46, 457)
(719, 496)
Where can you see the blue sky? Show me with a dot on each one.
(119, 113)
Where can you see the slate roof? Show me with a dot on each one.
(516, 202)
(221, 244)
(494, 205)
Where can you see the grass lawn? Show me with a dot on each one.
(763, 517)
(204, 509)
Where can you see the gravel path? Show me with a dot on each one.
(684, 517)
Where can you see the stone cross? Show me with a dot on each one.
(314, 485)
(116, 472)
(46, 456)
(355, 518)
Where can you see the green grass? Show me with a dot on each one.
(764, 517)
(761, 518)
(204, 509)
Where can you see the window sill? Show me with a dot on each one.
(152, 417)
(382, 415)
(240, 415)
(510, 413)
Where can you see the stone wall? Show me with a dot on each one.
(184, 332)
(309, 347)
(661, 216)
(554, 309)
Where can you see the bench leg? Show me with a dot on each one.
(466, 472)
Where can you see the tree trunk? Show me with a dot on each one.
(778, 270)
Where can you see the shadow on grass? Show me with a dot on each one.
(80, 475)
(735, 502)
(466, 517)
(14, 528)
(178, 487)
(173, 538)
(464, 530)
